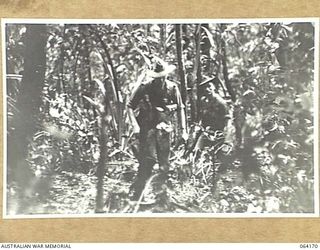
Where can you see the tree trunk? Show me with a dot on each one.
(61, 85)
(197, 70)
(236, 111)
(101, 165)
(113, 75)
(163, 37)
(180, 64)
(225, 70)
(28, 103)
(205, 49)
(87, 83)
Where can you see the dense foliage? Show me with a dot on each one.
(265, 74)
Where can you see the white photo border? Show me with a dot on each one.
(314, 20)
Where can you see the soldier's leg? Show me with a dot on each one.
(147, 159)
(163, 153)
(163, 149)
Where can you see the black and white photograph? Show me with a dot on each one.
(204, 118)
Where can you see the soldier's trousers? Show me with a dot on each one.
(154, 147)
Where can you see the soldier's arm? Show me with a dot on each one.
(225, 110)
(134, 100)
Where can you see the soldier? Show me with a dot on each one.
(214, 109)
(152, 106)
(214, 117)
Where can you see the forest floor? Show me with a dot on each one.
(75, 193)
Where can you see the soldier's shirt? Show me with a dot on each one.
(151, 102)
(213, 112)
